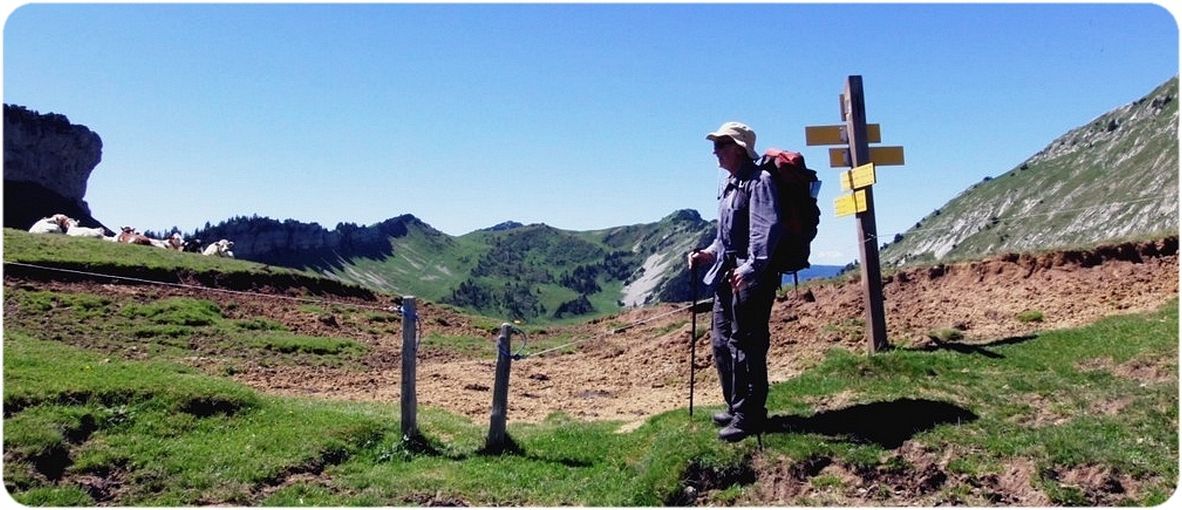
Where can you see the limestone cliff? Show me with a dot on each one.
(47, 161)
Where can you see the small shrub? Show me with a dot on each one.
(1030, 316)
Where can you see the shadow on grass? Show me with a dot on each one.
(511, 448)
(980, 349)
(887, 424)
(419, 444)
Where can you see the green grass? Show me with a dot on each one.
(101, 257)
(173, 328)
(174, 437)
(176, 311)
(57, 250)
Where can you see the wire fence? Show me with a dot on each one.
(519, 355)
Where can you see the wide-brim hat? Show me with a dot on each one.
(738, 132)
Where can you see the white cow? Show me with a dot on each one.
(130, 236)
(55, 224)
(72, 229)
(220, 249)
(175, 242)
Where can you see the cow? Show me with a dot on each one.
(175, 242)
(73, 230)
(130, 236)
(55, 224)
(193, 246)
(220, 249)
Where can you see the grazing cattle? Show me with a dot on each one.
(72, 229)
(55, 224)
(130, 236)
(193, 246)
(175, 242)
(220, 249)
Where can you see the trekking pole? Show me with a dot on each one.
(693, 330)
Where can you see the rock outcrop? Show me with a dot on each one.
(47, 161)
(293, 243)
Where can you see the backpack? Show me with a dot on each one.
(799, 214)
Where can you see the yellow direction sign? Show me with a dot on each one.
(840, 157)
(858, 178)
(836, 135)
(850, 204)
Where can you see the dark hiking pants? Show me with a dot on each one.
(740, 341)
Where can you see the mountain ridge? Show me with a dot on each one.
(1114, 178)
(510, 269)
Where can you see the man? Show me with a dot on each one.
(744, 284)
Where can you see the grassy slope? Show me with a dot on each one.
(156, 264)
(173, 437)
(423, 265)
(430, 265)
(62, 251)
(1057, 198)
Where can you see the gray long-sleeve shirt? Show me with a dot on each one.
(748, 225)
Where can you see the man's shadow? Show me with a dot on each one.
(980, 349)
(887, 424)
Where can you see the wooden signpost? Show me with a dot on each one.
(856, 135)
(840, 157)
(837, 135)
(858, 178)
(850, 204)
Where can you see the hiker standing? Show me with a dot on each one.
(744, 283)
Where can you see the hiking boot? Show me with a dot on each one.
(735, 432)
(723, 418)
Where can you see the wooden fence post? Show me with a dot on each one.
(409, 355)
(500, 404)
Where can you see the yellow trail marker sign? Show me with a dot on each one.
(858, 178)
(836, 135)
(893, 155)
(850, 204)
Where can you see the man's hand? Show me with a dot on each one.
(698, 258)
(736, 280)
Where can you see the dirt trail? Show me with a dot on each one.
(643, 370)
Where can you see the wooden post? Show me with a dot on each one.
(409, 354)
(500, 402)
(854, 109)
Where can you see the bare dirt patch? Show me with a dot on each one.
(640, 371)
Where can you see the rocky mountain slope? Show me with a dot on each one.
(1112, 179)
(47, 161)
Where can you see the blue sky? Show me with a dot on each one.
(578, 116)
